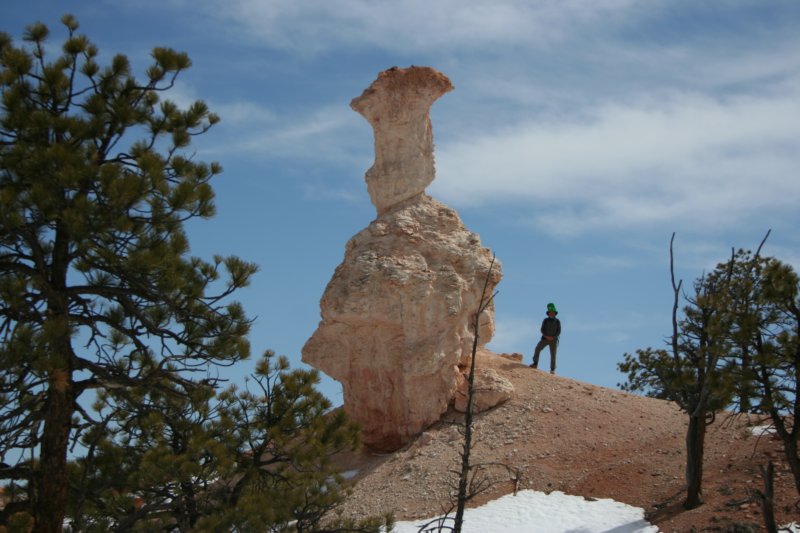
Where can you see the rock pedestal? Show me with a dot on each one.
(397, 314)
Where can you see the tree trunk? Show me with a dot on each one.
(52, 480)
(792, 456)
(695, 442)
(463, 480)
(53, 484)
(767, 498)
(788, 437)
(745, 386)
(791, 441)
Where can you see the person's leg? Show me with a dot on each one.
(542, 343)
(553, 350)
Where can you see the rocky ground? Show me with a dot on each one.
(560, 434)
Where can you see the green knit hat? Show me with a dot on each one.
(551, 307)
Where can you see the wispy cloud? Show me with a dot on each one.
(688, 158)
(410, 25)
(596, 263)
(598, 115)
(245, 114)
(326, 191)
(330, 133)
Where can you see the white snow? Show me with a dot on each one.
(547, 513)
(759, 431)
(350, 474)
(531, 511)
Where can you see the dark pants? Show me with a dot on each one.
(553, 344)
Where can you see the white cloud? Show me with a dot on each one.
(410, 25)
(595, 263)
(240, 113)
(689, 158)
(327, 192)
(332, 133)
(559, 105)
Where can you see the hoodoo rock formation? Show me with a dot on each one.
(397, 314)
(397, 105)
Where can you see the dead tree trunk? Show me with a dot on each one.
(463, 480)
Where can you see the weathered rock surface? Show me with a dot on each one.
(488, 390)
(397, 314)
(397, 106)
(558, 434)
(396, 319)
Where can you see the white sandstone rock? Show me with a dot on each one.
(489, 390)
(397, 105)
(397, 314)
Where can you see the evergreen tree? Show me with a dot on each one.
(740, 339)
(766, 331)
(778, 364)
(245, 460)
(98, 292)
(694, 373)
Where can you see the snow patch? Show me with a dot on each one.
(760, 431)
(547, 513)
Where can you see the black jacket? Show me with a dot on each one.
(551, 327)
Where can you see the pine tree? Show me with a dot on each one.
(740, 338)
(694, 373)
(766, 330)
(760, 300)
(98, 292)
(778, 364)
(257, 459)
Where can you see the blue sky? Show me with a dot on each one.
(579, 136)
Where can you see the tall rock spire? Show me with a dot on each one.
(396, 316)
(397, 106)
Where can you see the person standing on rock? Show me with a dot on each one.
(551, 331)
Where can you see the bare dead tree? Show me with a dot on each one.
(464, 494)
(473, 478)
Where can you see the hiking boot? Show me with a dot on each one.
(552, 371)
(532, 365)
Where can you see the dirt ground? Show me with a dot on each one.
(558, 434)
